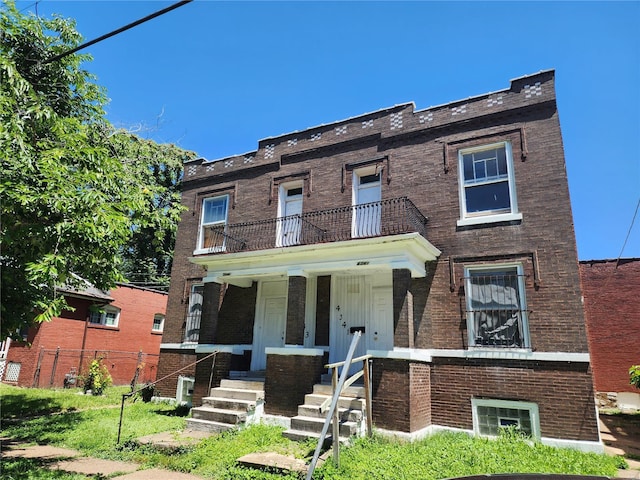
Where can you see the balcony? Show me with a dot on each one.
(377, 219)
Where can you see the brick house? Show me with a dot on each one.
(123, 326)
(444, 235)
(612, 312)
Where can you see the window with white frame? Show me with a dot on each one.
(194, 314)
(492, 415)
(107, 316)
(212, 223)
(496, 306)
(487, 185)
(158, 322)
(289, 226)
(367, 209)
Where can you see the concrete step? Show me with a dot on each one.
(313, 424)
(242, 384)
(228, 404)
(355, 392)
(232, 417)
(237, 394)
(343, 402)
(208, 426)
(344, 414)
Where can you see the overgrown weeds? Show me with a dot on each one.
(93, 431)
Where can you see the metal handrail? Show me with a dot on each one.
(339, 384)
(392, 216)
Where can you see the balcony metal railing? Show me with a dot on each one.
(387, 217)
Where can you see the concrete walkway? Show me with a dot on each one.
(72, 461)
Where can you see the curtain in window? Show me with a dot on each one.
(496, 311)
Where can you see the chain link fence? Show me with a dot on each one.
(62, 367)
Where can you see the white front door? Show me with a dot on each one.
(351, 307)
(289, 221)
(270, 321)
(366, 204)
(380, 335)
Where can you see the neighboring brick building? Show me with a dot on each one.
(612, 310)
(123, 326)
(473, 318)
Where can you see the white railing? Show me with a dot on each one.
(331, 404)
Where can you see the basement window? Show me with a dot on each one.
(491, 415)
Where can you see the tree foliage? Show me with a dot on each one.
(74, 192)
(148, 255)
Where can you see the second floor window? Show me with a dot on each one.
(366, 203)
(212, 223)
(496, 307)
(487, 186)
(289, 226)
(158, 322)
(107, 316)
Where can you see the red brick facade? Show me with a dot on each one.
(612, 311)
(71, 341)
(414, 154)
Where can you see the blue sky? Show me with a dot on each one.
(215, 77)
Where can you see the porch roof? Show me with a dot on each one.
(359, 256)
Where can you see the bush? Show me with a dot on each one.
(634, 375)
(97, 379)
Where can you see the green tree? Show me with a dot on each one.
(73, 193)
(147, 257)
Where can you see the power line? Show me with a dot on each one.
(119, 30)
(628, 233)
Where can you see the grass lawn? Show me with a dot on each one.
(90, 424)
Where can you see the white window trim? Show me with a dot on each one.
(200, 248)
(487, 216)
(534, 414)
(355, 182)
(523, 304)
(187, 319)
(162, 318)
(103, 317)
(283, 188)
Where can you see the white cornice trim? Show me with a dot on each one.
(178, 346)
(233, 349)
(427, 355)
(295, 350)
(409, 251)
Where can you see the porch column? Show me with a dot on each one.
(402, 309)
(208, 328)
(209, 317)
(296, 310)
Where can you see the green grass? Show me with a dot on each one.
(33, 469)
(20, 402)
(90, 425)
(456, 454)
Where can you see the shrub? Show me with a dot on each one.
(634, 375)
(97, 378)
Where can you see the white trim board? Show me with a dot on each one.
(582, 445)
(427, 355)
